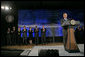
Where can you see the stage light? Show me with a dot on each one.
(9, 18)
(6, 8)
(2, 7)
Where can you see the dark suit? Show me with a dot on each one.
(14, 37)
(43, 36)
(65, 33)
(30, 35)
(19, 37)
(24, 36)
(36, 36)
(8, 37)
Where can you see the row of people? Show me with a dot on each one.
(36, 30)
(13, 38)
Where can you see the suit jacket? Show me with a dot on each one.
(14, 34)
(36, 31)
(43, 31)
(24, 33)
(30, 33)
(8, 35)
(19, 33)
(65, 23)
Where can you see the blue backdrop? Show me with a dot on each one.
(49, 18)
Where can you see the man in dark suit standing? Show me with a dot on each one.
(36, 30)
(43, 35)
(14, 37)
(19, 36)
(8, 37)
(24, 35)
(30, 35)
(64, 22)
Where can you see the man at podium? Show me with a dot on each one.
(70, 44)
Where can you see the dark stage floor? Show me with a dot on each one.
(29, 50)
(11, 52)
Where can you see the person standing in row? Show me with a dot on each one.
(8, 37)
(43, 35)
(24, 35)
(30, 35)
(36, 30)
(14, 36)
(19, 36)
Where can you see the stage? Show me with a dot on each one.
(33, 50)
(62, 52)
(46, 23)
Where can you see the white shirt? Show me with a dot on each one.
(65, 19)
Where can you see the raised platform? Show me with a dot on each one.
(34, 51)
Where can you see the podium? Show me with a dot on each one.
(71, 45)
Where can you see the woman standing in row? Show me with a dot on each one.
(30, 35)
